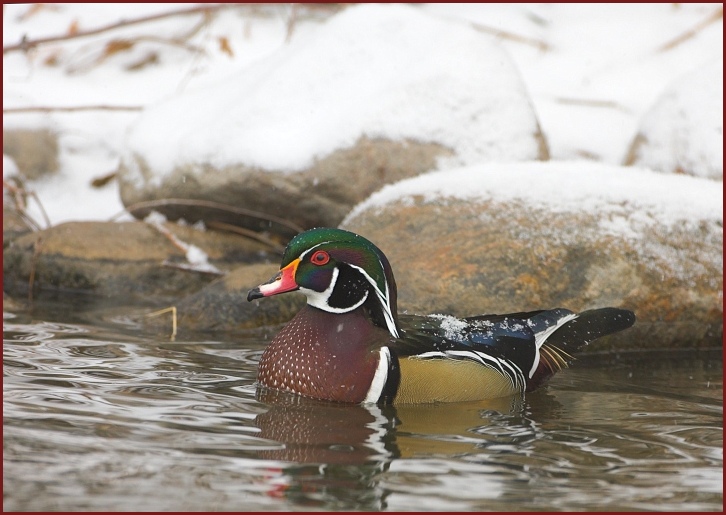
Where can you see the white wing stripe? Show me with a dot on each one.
(539, 339)
(507, 369)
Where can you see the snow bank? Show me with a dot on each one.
(388, 71)
(683, 132)
(566, 187)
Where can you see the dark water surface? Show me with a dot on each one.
(100, 414)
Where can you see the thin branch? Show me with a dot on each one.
(691, 33)
(172, 238)
(291, 21)
(69, 109)
(541, 45)
(42, 209)
(18, 193)
(184, 248)
(213, 205)
(214, 224)
(26, 44)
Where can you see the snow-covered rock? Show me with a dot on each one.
(376, 94)
(683, 131)
(496, 238)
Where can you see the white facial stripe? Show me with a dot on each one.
(384, 300)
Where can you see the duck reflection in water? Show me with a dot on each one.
(339, 450)
(314, 431)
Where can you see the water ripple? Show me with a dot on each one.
(107, 418)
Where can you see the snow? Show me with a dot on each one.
(388, 71)
(453, 327)
(592, 71)
(197, 259)
(696, 142)
(9, 167)
(566, 186)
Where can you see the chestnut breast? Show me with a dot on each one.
(331, 356)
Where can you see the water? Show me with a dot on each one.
(102, 414)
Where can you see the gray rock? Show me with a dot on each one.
(321, 195)
(502, 239)
(222, 305)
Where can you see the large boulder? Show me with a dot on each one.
(683, 131)
(517, 237)
(376, 94)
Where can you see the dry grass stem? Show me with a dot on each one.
(19, 195)
(171, 309)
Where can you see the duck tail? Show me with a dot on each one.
(559, 348)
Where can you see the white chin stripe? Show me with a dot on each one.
(380, 377)
(319, 299)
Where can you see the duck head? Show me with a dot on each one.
(338, 271)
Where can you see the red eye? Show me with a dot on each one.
(320, 258)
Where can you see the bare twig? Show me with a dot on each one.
(291, 21)
(214, 224)
(19, 193)
(203, 268)
(213, 205)
(539, 44)
(26, 44)
(69, 109)
(690, 33)
(169, 236)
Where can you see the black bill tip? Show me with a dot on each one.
(253, 294)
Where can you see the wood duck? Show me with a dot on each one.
(349, 343)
